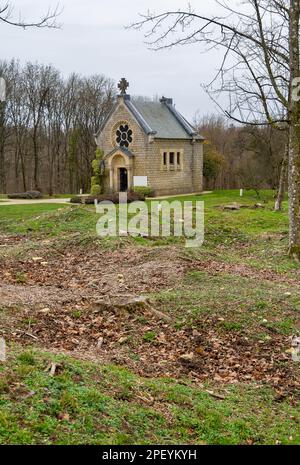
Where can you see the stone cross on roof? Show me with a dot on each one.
(123, 86)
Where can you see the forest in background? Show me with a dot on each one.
(247, 156)
(48, 122)
(47, 127)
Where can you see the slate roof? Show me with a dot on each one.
(161, 119)
(120, 149)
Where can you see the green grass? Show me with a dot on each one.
(86, 403)
(242, 302)
(46, 219)
(61, 196)
(224, 224)
(9, 214)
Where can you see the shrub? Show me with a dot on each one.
(134, 196)
(96, 180)
(131, 197)
(100, 198)
(212, 162)
(35, 194)
(18, 195)
(143, 191)
(76, 199)
(96, 167)
(26, 195)
(96, 190)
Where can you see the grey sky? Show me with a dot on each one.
(93, 40)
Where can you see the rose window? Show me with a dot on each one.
(124, 135)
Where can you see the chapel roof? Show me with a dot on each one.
(120, 149)
(162, 119)
(157, 118)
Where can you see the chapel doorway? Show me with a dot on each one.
(123, 179)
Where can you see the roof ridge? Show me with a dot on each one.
(181, 119)
(157, 124)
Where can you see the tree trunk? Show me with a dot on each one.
(36, 160)
(2, 146)
(294, 191)
(2, 171)
(294, 152)
(23, 171)
(282, 180)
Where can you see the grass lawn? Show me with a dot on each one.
(95, 404)
(206, 362)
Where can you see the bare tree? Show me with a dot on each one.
(259, 70)
(3, 134)
(47, 20)
(47, 127)
(17, 119)
(37, 87)
(7, 16)
(282, 179)
(259, 147)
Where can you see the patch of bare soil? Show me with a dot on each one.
(57, 308)
(150, 345)
(98, 271)
(11, 240)
(246, 271)
(12, 295)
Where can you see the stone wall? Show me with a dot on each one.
(178, 181)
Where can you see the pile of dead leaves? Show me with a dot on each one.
(49, 299)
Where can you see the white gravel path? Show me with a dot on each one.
(33, 202)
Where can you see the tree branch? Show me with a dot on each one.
(47, 21)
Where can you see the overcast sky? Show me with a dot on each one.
(93, 39)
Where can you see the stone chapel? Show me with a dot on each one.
(151, 144)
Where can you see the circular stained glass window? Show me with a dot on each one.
(124, 135)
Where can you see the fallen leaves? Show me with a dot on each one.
(60, 295)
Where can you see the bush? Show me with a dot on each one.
(16, 195)
(35, 194)
(30, 195)
(76, 199)
(95, 181)
(96, 167)
(143, 191)
(131, 197)
(95, 190)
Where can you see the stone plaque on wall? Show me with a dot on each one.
(140, 181)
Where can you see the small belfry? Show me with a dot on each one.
(148, 145)
(123, 86)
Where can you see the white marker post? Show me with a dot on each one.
(241, 192)
(2, 89)
(2, 350)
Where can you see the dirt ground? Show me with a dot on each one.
(51, 300)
